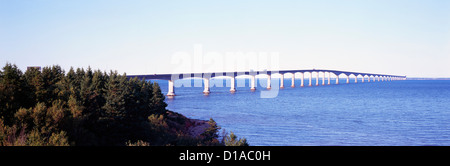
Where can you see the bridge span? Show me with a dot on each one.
(232, 75)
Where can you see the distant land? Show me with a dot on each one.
(424, 78)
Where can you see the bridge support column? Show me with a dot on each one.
(317, 79)
(171, 89)
(310, 79)
(268, 81)
(282, 81)
(368, 78)
(233, 84)
(252, 83)
(348, 78)
(302, 80)
(362, 79)
(356, 79)
(206, 82)
(323, 78)
(329, 78)
(293, 80)
(337, 79)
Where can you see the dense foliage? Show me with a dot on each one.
(85, 108)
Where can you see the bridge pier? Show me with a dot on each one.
(329, 78)
(310, 79)
(317, 79)
(206, 89)
(282, 81)
(356, 79)
(293, 80)
(362, 79)
(337, 79)
(323, 78)
(171, 91)
(252, 83)
(233, 84)
(348, 78)
(302, 80)
(268, 81)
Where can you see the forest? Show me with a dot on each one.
(85, 107)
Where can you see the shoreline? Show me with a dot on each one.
(191, 127)
(196, 127)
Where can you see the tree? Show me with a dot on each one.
(50, 76)
(86, 107)
(115, 97)
(34, 79)
(157, 100)
(212, 131)
(14, 93)
(232, 140)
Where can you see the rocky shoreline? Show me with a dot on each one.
(191, 127)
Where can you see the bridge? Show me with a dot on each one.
(232, 75)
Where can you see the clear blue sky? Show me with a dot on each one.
(405, 37)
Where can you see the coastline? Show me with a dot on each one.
(190, 127)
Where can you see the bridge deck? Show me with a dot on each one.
(235, 74)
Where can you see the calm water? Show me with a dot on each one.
(377, 113)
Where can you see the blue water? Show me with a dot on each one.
(411, 112)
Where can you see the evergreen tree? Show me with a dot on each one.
(115, 97)
(157, 100)
(14, 93)
(50, 76)
(232, 140)
(87, 107)
(212, 131)
(35, 81)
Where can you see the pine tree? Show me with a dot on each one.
(232, 140)
(14, 93)
(115, 97)
(34, 79)
(211, 132)
(157, 100)
(50, 76)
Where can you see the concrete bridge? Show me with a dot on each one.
(207, 76)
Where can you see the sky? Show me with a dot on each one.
(400, 37)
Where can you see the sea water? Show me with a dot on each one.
(408, 112)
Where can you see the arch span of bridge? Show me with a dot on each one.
(232, 75)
